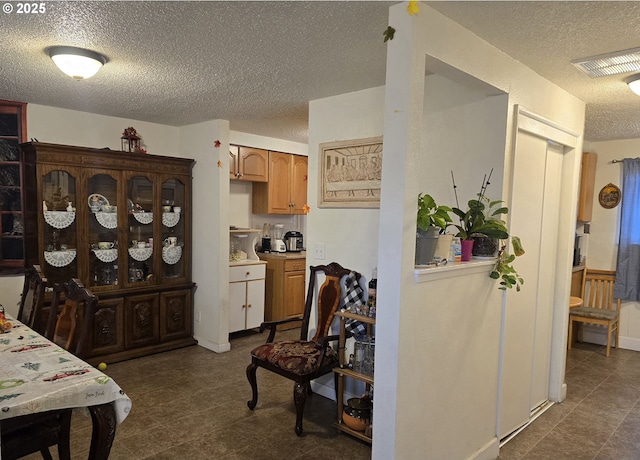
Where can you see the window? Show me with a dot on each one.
(12, 188)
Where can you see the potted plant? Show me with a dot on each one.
(431, 221)
(481, 220)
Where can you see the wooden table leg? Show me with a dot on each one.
(104, 431)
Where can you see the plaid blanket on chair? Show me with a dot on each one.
(353, 299)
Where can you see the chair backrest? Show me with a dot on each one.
(32, 299)
(72, 310)
(328, 298)
(597, 289)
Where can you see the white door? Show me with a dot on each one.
(237, 308)
(528, 316)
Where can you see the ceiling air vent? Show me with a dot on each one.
(610, 64)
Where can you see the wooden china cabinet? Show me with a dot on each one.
(121, 223)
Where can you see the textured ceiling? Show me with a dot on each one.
(258, 64)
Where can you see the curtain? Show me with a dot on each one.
(627, 285)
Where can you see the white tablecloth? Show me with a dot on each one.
(36, 376)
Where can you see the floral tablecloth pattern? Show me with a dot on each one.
(36, 376)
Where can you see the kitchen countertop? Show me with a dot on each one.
(282, 255)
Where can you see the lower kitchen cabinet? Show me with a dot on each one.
(175, 314)
(107, 335)
(286, 280)
(246, 296)
(142, 320)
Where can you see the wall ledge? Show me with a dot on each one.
(451, 270)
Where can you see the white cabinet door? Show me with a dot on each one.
(255, 303)
(237, 309)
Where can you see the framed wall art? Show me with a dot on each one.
(350, 173)
(609, 196)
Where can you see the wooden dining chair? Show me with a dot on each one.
(32, 299)
(598, 306)
(305, 359)
(72, 309)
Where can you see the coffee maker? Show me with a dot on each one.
(577, 247)
(294, 242)
(277, 241)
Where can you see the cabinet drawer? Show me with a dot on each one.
(246, 273)
(294, 265)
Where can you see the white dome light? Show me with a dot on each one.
(78, 63)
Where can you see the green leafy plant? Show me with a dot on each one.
(504, 269)
(432, 215)
(482, 219)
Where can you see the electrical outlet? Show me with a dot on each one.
(198, 316)
(319, 251)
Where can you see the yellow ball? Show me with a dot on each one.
(102, 366)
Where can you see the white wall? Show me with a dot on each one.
(602, 241)
(409, 311)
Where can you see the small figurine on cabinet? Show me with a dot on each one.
(130, 140)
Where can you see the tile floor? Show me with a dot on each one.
(191, 404)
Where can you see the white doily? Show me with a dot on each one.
(59, 219)
(170, 219)
(60, 258)
(143, 217)
(140, 254)
(171, 254)
(107, 219)
(106, 255)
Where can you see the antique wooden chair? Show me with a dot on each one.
(32, 299)
(31, 433)
(71, 303)
(599, 306)
(305, 359)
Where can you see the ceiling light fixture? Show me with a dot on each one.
(614, 63)
(78, 63)
(634, 83)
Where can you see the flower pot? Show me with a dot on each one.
(426, 242)
(485, 247)
(467, 249)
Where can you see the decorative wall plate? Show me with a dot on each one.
(609, 196)
(59, 219)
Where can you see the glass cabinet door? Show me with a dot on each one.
(103, 230)
(59, 230)
(173, 229)
(140, 230)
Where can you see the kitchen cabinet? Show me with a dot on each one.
(121, 223)
(285, 285)
(286, 190)
(343, 371)
(246, 296)
(577, 275)
(248, 164)
(587, 184)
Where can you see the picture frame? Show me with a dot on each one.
(350, 173)
(610, 195)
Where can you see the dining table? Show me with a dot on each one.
(36, 375)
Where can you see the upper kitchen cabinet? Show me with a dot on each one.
(286, 190)
(248, 164)
(587, 184)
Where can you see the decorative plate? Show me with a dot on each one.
(143, 217)
(59, 219)
(609, 196)
(170, 219)
(171, 254)
(96, 201)
(140, 254)
(107, 219)
(60, 258)
(106, 255)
